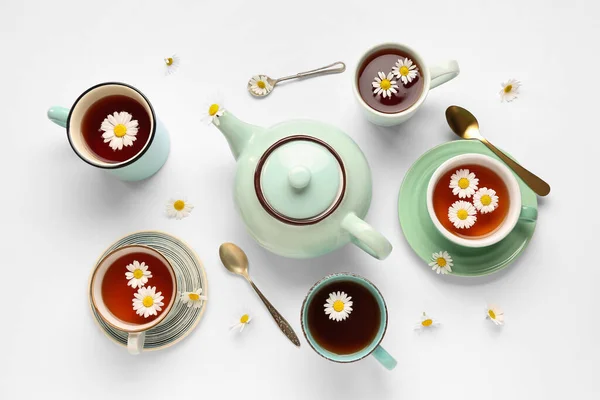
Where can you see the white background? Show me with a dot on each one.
(59, 214)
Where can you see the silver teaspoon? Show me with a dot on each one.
(262, 85)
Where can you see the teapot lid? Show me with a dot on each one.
(300, 180)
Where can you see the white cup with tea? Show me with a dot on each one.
(133, 289)
(391, 82)
(475, 200)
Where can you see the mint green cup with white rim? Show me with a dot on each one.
(145, 163)
(374, 348)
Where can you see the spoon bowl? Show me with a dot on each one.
(234, 259)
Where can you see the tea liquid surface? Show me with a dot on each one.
(355, 332)
(118, 296)
(92, 134)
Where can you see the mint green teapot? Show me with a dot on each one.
(302, 187)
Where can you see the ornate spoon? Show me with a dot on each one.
(262, 85)
(235, 260)
(465, 125)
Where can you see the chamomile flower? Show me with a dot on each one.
(510, 90)
(494, 314)
(485, 200)
(462, 214)
(214, 110)
(137, 274)
(179, 208)
(147, 301)
(441, 262)
(194, 298)
(405, 70)
(259, 85)
(172, 64)
(338, 306)
(426, 322)
(241, 322)
(385, 85)
(119, 130)
(463, 183)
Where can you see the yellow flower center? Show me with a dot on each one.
(508, 88)
(148, 301)
(213, 109)
(427, 322)
(385, 84)
(486, 200)
(120, 130)
(244, 319)
(492, 314)
(463, 183)
(179, 205)
(462, 214)
(260, 84)
(138, 273)
(169, 61)
(338, 305)
(441, 261)
(194, 296)
(404, 70)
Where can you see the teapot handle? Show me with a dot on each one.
(367, 238)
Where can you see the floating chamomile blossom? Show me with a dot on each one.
(405, 70)
(485, 200)
(137, 274)
(338, 306)
(259, 85)
(494, 314)
(441, 262)
(241, 322)
(179, 208)
(510, 90)
(214, 110)
(172, 64)
(194, 298)
(147, 301)
(426, 322)
(463, 183)
(119, 130)
(462, 214)
(385, 85)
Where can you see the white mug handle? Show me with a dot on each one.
(135, 342)
(442, 73)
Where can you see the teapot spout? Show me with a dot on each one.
(237, 133)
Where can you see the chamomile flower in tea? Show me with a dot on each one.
(119, 130)
(405, 70)
(485, 200)
(463, 183)
(147, 301)
(338, 306)
(172, 64)
(241, 322)
(384, 85)
(462, 214)
(179, 208)
(260, 85)
(510, 90)
(494, 314)
(137, 274)
(441, 262)
(426, 322)
(194, 298)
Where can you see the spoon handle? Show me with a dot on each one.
(335, 68)
(537, 184)
(281, 322)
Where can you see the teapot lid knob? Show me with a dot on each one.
(299, 177)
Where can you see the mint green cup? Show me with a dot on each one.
(374, 348)
(148, 161)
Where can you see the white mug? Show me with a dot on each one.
(516, 210)
(432, 76)
(137, 332)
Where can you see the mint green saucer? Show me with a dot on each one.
(425, 239)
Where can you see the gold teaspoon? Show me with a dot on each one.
(465, 125)
(235, 260)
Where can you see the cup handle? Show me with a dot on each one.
(135, 342)
(528, 214)
(384, 358)
(58, 115)
(443, 73)
(367, 238)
